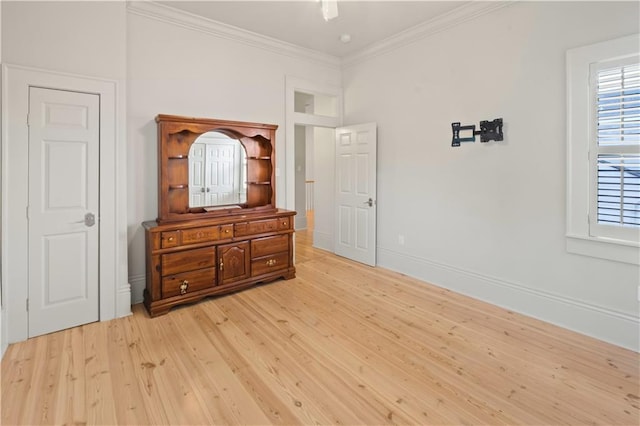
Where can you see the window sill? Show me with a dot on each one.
(604, 248)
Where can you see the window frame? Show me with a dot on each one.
(583, 237)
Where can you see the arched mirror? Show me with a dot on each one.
(217, 171)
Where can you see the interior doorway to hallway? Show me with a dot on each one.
(315, 183)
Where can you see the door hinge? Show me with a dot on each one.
(28, 120)
(27, 212)
(27, 305)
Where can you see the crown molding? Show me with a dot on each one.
(458, 16)
(469, 11)
(163, 13)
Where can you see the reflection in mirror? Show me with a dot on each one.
(217, 171)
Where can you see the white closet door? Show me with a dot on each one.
(63, 209)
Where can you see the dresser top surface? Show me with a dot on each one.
(152, 225)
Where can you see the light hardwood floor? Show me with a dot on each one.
(340, 344)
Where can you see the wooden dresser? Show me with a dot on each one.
(188, 261)
(232, 240)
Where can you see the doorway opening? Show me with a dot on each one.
(314, 111)
(315, 184)
(342, 179)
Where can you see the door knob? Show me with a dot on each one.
(89, 219)
(369, 202)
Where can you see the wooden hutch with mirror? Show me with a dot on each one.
(218, 229)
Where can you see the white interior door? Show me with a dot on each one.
(63, 209)
(223, 161)
(197, 179)
(355, 222)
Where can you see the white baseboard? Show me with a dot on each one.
(124, 301)
(138, 282)
(301, 222)
(323, 240)
(602, 323)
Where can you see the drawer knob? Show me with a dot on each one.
(226, 231)
(170, 239)
(184, 286)
(284, 222)
(271, 262)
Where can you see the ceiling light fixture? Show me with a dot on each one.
(329, 9)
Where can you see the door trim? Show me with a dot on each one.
(115, 291)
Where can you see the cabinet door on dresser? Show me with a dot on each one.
(233, 262)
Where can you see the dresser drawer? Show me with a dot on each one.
(264, 265)
(226, 231)
(200, 235)
(188, 260)
(170, 239)
(284, 223)
(188, 282)
(256, 227)
(269, 245)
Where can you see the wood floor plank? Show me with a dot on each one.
(341, 353)
(70, 399)
(100, 397)
(125, 370)
(42, 405)
(342, 343)
(221, 389)
(17, 373)
(298, 365)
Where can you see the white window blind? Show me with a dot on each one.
(619, 190)
(616, 164)
(618, 102)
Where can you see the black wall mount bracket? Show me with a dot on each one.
(489, 131)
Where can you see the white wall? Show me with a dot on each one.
(489, 219)
(324, 207)
(301, 172)
(182, 71)
(309, 158)
(85, 38)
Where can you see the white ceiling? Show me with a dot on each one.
(301, 23)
